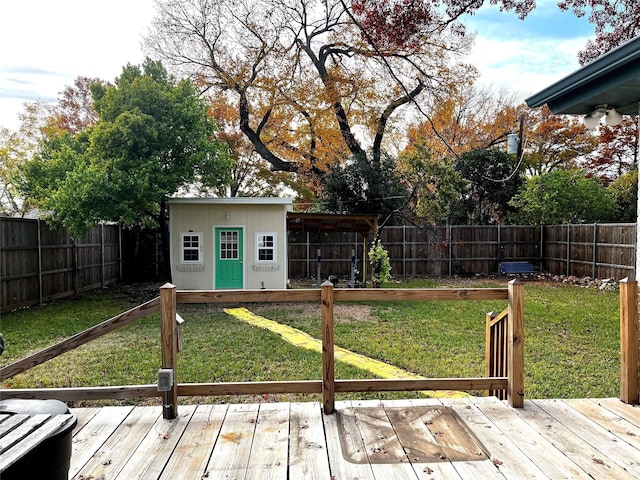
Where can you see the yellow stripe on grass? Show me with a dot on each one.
(301, 339)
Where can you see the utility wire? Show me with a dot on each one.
(415, 102)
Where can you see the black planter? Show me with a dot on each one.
(51, 459)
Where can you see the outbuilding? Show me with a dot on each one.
(229, 243)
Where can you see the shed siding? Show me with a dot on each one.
(253, 219)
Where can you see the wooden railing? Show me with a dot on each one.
(496, 352)
(512, 383)
(511, 343)
(629, 341)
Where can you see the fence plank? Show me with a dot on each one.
(39, 264)
(603, 251)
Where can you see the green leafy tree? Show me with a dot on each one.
(492, 179)
(435, 183)
(365, 186)
(152, 138)
(624, 194)
(562, 196)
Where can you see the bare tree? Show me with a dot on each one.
(311, 84)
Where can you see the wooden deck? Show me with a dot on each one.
(410, 439)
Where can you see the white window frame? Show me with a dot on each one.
(260, 237)
(183, 249)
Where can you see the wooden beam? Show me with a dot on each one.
(418, 294)
(83, 393)
(169, 347)
(328, 357)
(240, 296)
(628, 341)
(80, 339)
(249, 388)
(515, 346)
(395, 385)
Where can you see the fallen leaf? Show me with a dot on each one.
(231, 437)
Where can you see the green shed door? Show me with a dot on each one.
(228, 258)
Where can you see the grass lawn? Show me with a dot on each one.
(571, 341)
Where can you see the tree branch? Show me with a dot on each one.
(382, 121)
(262, 150)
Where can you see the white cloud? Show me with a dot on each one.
(47, 44)
(525, 65)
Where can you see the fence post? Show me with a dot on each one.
(74, 251)
(120, 252)
(450, 250)
(595, 251)
(169, 347)
(541, 252)
(628, 341)
(328, 359)
(515, 347)
(40, 273)
(568, 249)
(102, 254)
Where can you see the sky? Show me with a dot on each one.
(47, 44)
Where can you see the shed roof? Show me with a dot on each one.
(612, 79)
(232, 200)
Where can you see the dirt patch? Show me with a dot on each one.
(133, 293)
(341, 313)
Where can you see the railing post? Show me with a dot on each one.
(489, 349)
(328, 358)
(169, 347)
(515, 362)
(628, 341)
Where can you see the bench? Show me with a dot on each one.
(507, 268)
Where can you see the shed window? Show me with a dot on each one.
(191, 247)
(266, 247)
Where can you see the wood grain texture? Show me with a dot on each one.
(364, 439)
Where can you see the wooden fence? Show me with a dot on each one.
(597, 251)
(38, 264)
(509, 379)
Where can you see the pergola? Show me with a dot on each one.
(334, 223)
(611, 83)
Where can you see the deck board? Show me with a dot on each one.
(610, 449)
(231, 452)
(156, 447)
(425, 439)
(90, 437)
(270, 448)
(573, 436)
(308, 458)
(110, 458)
(194, 450)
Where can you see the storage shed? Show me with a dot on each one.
(229, 243)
